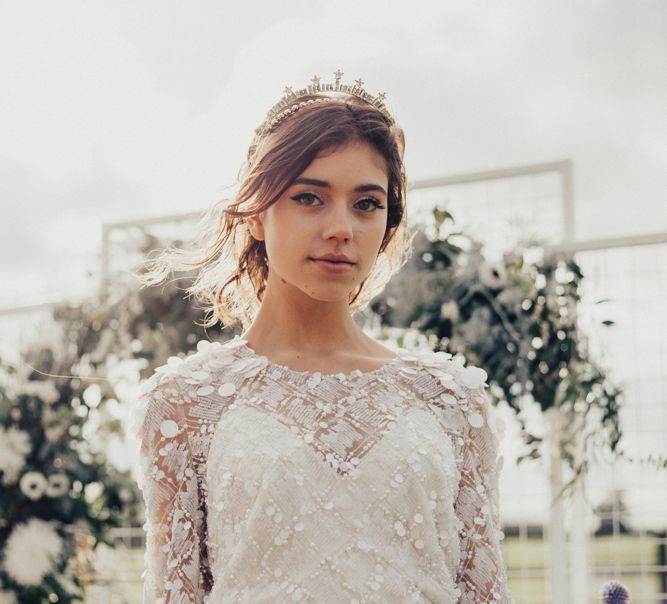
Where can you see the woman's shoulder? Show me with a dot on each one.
(457, 391)
(198, 367)
(449, 371)
(208, 375)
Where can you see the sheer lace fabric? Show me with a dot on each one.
(263, 484)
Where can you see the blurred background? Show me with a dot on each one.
(121, 121)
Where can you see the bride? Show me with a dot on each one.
(303, 461)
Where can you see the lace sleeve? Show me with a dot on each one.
(481, 575)
(175, 560)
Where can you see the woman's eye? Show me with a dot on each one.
(302, 195)
(375, 204)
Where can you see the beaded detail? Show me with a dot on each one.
(290, 102)
(264, 484)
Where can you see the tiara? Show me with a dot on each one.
(290, 103)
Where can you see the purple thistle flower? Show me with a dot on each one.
(613, 592)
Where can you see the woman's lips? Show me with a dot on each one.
(333, 267)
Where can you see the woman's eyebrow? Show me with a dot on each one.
(325, 185)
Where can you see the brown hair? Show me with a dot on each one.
(233, 265)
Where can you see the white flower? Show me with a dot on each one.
(31, 551)
(492, 275)
(44, 389)
(58, 485)
(14, 446)
(450, 310)
(33, 485)
(92, 395)
(92, 491)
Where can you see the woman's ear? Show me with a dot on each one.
(255, 226)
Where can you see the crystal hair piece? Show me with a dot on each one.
(290, 102)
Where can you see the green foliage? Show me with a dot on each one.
(516, 318)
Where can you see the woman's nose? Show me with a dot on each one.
(338, 223)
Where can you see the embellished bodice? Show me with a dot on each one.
(264, 484)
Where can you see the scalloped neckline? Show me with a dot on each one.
(351, 374)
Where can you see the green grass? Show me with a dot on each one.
(529, 556)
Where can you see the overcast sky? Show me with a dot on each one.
(115, 111)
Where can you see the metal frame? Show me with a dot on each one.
(563, 167)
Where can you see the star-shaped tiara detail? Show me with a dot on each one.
(290, 103)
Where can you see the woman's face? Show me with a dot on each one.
(345, 213)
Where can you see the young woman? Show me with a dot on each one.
(303, 461)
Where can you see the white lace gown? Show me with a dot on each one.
(263, 484)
